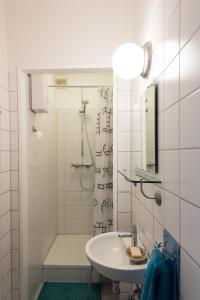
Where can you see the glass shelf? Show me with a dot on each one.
(138, 177)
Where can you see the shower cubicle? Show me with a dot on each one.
(69, 164)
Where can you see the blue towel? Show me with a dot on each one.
(160, 282)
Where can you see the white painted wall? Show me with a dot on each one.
(67, 34)
(3, 48)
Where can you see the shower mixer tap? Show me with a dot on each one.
(84, 103)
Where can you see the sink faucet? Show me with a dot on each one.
(132, 234)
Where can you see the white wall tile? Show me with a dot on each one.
(6, 244)
(171, 171)
(13, 81)
(6, 264)
(4, 119)
(171, 214)
(123, 121)
(123, 85)
(136, 160)
(4, 99)
(14, 156)
(14, 180)
(124, 222)
(60, 212)
(161, 131)
(5, 203)
(171, 127)
(160, 93)
(60, 226)
(78, 212)
(5, 223)
(148, 224)
(169, 8)
(15, 294)
(190, 277)
(189, 185)
(15, 220)
(189, 121)
(160, 210)
(5, 182)
(14, 200)
(124, 202)
(6, 285)
(13, 101)
(5, 140)
(189, 66)
(79, 226)
(15, 259)
(190, 222)
(171, 83)
(189, 19)
(15, 239)
(5, 161)
(137, 141)
(15, 279)
(158, 232)
(171, 45)
(124, 161)
(13, 121)
(124, 101)
(123, 185)
(137, 123)
(123, 141)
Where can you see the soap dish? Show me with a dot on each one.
(138, 261)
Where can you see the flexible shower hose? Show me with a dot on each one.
(91, 156)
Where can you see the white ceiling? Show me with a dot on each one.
(15, 2)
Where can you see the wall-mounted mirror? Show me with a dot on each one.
(149, 130)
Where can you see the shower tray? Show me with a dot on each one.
(67, 261)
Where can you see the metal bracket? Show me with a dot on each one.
(157, 198)
(30, 94)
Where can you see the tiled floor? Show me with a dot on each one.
(66, 290)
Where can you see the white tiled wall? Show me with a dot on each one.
(178, 38)
(122, 123)
(6, 222)
(14, 182)
(121, 160)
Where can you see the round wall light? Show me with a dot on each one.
(131, 60)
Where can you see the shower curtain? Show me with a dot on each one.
(103, 211)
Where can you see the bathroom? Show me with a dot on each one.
(71, 43)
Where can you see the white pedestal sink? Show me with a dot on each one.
(107, 254)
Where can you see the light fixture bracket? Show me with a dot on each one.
(147, 59)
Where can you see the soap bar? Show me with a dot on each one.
(135, 252)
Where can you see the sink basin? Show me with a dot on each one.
(107, 254)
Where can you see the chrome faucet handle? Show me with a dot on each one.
(125, 235)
